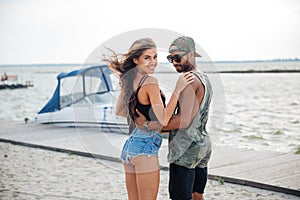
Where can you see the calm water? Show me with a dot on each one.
(262, 110)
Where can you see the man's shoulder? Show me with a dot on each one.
(201, 76)
(198, 82)
(199, 73)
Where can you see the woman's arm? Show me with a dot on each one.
(190, 101)
(120, 109)
(189, 105)
(152, 125)
(162, 113)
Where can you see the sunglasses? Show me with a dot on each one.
(176, 57)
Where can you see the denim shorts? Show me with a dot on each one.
(141, 143)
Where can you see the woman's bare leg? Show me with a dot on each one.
(147, 176)
(131, 184)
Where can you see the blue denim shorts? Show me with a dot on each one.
(141, 143)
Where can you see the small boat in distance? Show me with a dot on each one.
(11, 82)
(85, 98)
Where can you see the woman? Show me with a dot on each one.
(141, 91)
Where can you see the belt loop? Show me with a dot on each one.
(152, 133)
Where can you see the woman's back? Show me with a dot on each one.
(141, 99)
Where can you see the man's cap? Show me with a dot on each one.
(185, 44)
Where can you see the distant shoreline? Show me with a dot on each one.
(243, 71)
(255, 61)
(89, 64)
(42, 65)
(259, 71)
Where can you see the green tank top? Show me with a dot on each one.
(191, 147)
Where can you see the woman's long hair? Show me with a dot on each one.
(125, 68)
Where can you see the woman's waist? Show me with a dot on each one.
(140, 132)
(147, 111)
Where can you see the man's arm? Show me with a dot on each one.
(189, 105)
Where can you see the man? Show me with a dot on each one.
(189, 142)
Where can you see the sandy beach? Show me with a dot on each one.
(31, 173)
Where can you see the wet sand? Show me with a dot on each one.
(31, 173)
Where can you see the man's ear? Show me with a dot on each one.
(189, 56)
(192, 54)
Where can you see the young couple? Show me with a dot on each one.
(185, 116)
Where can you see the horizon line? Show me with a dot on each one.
(218, 61)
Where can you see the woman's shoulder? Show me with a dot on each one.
(151, 80)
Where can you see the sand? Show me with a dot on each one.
(31, 173)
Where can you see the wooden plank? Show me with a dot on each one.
(270, 170)
(236, 156)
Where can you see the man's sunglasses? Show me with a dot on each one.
(176, 57)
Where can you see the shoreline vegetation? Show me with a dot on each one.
(88, 64)
(271, 60)
(260, 71)
(245, 71)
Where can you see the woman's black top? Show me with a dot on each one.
(146, 110)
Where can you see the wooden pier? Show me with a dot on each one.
(275, 171)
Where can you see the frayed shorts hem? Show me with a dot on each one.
(127, 160)
(141, 143)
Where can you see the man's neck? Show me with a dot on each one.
(193, 68)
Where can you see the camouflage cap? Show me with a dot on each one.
(185, 44)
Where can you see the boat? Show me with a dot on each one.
(85, 98)
(11, 82)
(14, 86)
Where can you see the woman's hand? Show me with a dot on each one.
(139, 122)
(152, 125)
(184, 80)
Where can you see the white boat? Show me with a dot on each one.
(85, 97)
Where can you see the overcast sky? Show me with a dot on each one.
(67, 31)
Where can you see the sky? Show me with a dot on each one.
(67, 31)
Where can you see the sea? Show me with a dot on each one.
(256, 103)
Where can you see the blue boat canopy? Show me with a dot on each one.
(74, 86)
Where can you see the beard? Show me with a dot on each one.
(187, 66)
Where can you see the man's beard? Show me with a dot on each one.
(187, 66)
